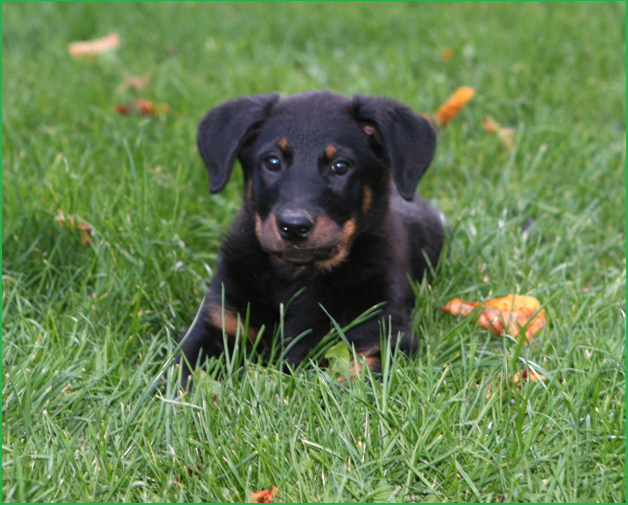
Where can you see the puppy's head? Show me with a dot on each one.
(317, 166)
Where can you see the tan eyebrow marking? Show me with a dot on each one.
(330, 151)
(367, 199)
(283, 143)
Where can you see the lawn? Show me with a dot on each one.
(90, 408)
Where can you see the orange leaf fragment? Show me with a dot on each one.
(506, 135)
(453, 105)
(446, 54)
(527, 376)
(264, 496)
(508, 314)
(490, 125)
(141, 107)
(94, 47)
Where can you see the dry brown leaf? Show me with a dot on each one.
(264, 496)
(86, 234)
(71, 223)
(453, 105)
(195, 470)
(506, 135)
(527, 376)
(142, 108)
(508, 314)
(94, 47)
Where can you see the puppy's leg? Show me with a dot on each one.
(207, 338)
(367, 342)
(202, 341)
(297, 350)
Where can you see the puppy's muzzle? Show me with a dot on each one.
(299, 238)
(294, 226)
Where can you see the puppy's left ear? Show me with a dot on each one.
(223, 131)
(408, 140)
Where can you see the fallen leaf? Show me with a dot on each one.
(123, 109)
(506, 135)
(453, 105)
(86, 234)
(490, 125)
(61, 218)
(194, 471)
(264, 496)
(446, 54)
(508, 314)
(72, 223)
(94, 47)
(142, 108)
(518, 378)
(527, 376)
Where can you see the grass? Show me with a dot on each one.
(89, 409)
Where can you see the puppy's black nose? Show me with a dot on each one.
(294, 226)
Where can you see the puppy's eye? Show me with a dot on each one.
(272, 163)
(340, 167)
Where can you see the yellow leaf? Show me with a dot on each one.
(508, 314)
(264, 496)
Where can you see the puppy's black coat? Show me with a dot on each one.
(320, 212)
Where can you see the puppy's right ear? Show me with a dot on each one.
(224, 129)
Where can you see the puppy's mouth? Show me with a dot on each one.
(303, 256)
(325, 246)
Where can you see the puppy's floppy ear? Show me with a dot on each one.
(409, 140)
(224, 129)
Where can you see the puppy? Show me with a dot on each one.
(329, 208)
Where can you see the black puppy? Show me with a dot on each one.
(321, 213)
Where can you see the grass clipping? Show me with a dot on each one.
(510, 314)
